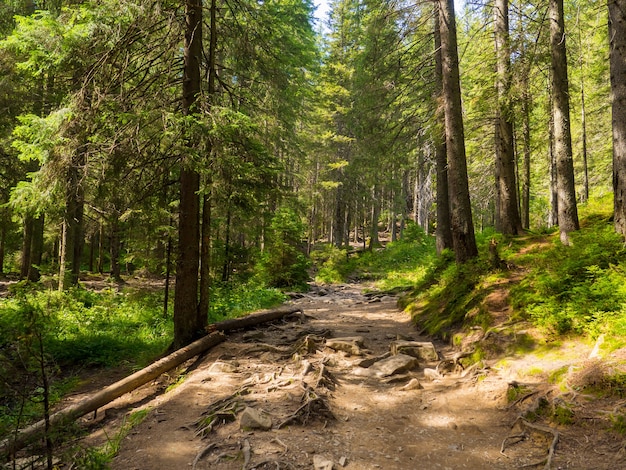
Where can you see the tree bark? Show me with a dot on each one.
(567, 209)
(508, 220)
(461, 224)
(617, 34)
(36, 251)
(26, 246)
(115, 242)
(526, 104)
(188, 323)
(443, 231)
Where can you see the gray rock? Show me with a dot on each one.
(351, 345)
(420, 350)
(251, 418)
(369, 362)
(393, 365)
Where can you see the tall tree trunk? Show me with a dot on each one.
(617, 34)
(36, 252)
(553, 215)
(3, 236)
(339, 220)
(115, 243)
(205, 235)
(567, 209)
(462, 227)
(188, 323)
(443, 232)
(375, 215)
(525, 179)
(100, 267)
(62, 255)
(226, 264)
(507, 209)
(583, 114)
(205, 257)
(27, 241)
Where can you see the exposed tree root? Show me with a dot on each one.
(525, 427)
(314, 407)
(220, 411)
(325, 378)
(202, 454)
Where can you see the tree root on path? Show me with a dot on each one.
(525, 427)
(221, 411)
(314, 407)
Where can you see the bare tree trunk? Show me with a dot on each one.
(188, 323)
(27, 240)
(3, 236)
(62, 255)
(36, 252)
(617, 34)
(205, 257)
(115, 243)
(583, 114)
(100, 247)
(525, 179)
(567, 209)
(443, 231)
(553, 215)
(375, 215)
(507, 209)
(462, 226)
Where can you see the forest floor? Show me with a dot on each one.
(333, 409)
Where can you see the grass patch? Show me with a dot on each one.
(99, 458)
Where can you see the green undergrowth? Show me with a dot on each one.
(451, 294)
(399, 265)
(99, 458)
(63, 334)
(578, 289)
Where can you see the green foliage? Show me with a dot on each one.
(578, 288)
(401, 264)
(235, 299)
(85, 328)
(283, 263)
(332, 264)
(618, 423)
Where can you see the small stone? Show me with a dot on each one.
(421, 350)
(252, 418)
(343, 460)
(372, 360)
(413, 384)
(321, 462)
(224, 367)
(431, 374)
(253, 335)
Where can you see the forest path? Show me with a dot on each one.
(452, 422)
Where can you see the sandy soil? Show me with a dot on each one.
(455, 421)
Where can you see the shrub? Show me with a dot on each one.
(283, 264)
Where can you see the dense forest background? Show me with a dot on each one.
(221, 142)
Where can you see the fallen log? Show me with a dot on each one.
(27, 435)
(253, 319)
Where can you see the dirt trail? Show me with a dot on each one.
(453, 422)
